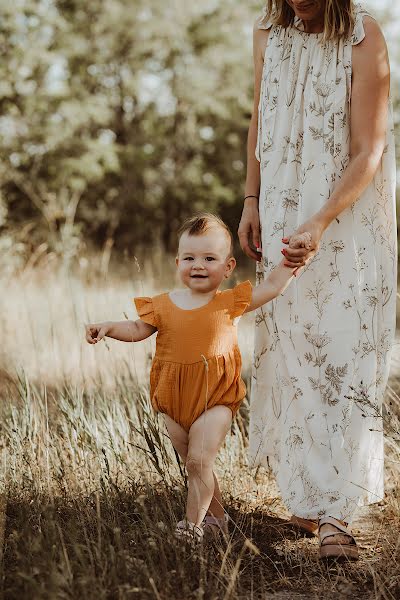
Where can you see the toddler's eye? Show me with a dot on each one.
(188, 258)
(210, 258)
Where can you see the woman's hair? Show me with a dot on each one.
(338, 18)
(202, 222)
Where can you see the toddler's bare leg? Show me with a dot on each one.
(180, 440)
(216, 508)
(178, 436)
(206, 436)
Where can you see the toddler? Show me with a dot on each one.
(195, 377)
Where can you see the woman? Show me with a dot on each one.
(318, 162)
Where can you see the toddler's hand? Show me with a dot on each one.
(301, 240)
(96, 332)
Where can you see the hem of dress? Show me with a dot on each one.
(271, 465)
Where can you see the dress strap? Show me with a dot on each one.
(358, 31)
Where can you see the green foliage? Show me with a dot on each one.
(120, 118)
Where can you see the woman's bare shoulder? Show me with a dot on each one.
(373, 35)
(372, 48)
(372, 27)
(260, 38)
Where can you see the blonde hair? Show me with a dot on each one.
(202, 222)
(338, 16)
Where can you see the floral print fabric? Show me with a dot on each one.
(322, 349)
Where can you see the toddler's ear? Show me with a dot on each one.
(231, 264)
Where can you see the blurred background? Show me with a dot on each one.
(121, 117)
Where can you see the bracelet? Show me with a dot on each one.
(250, 196)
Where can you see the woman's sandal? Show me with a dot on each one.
(213, 526)
(305, 526)
(336, 550)
(189, 532)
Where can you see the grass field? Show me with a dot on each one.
(91, 488)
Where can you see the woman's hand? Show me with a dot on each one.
(249, 229)
(298, 257)
(96, 331)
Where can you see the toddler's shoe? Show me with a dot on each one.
(213, 526)
(189, 532)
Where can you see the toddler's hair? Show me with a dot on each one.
(202, 222)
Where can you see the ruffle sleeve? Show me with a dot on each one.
(145, 310)
(359, 32)
(262, 22)
(241, 298)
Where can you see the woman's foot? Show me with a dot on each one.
(189, 532)
(335, 540)
(305, 526)
(213, 526)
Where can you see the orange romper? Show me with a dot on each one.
(179, 376)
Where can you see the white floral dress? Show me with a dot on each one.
(322, 349)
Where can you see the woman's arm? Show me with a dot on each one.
(124, 331)
(249, 227)
(368, 124)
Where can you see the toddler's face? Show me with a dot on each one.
(203, 261)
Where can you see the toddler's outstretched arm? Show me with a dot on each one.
(278, 280)
(125, 331)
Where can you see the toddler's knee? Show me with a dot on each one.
(195, 464)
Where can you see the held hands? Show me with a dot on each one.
(280, 277)
(96, 331)
(303, 244)
(298, 252)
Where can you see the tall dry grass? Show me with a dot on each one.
(93, 488)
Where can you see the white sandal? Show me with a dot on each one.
(213, 526)
(347, 551)
(185, 530)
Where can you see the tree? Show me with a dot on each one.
(120, 118)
